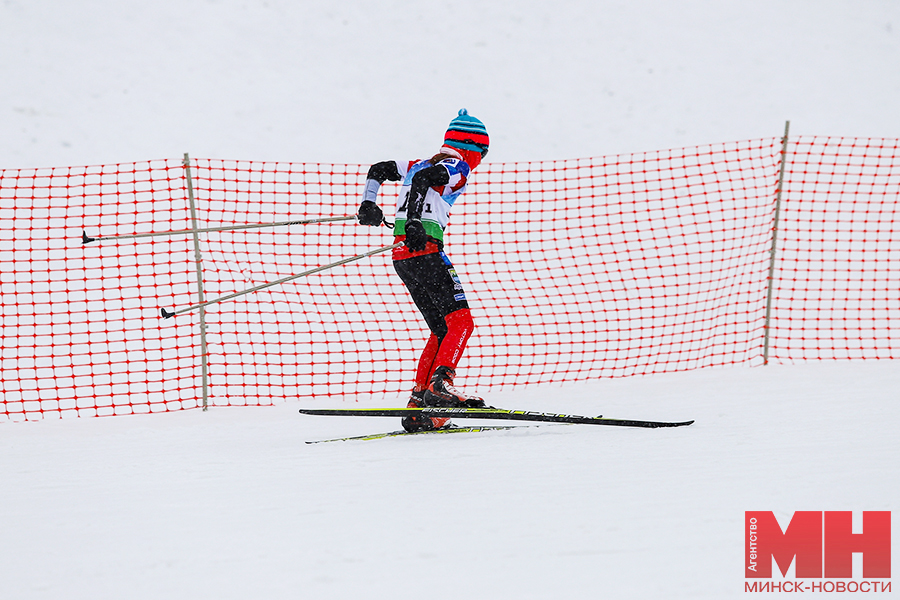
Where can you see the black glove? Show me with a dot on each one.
(370, 214)
(415, 236)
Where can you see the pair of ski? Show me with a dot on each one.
(476, 413)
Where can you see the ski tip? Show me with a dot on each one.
(85, 239)
(166, 314)
(672, 423)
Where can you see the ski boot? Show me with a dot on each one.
(441, 392)
(416, 423)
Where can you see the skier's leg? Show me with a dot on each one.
(447, 296)
(426, 362)
(459, 328)
(414, 273)
(446, 352)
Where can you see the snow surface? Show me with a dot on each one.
(354, 81)
(232, 503)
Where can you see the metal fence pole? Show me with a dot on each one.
(200, 295)
(784, 146)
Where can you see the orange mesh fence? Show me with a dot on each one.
(80, 331)
(617, 266)
(575, 270)
(837, 288)
(332, 333)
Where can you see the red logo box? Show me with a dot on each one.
(821, 542)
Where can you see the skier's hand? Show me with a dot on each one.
(415, 236)
(370, 214)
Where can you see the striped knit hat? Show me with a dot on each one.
(467, 133)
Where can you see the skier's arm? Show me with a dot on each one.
(384, 171)
(436, 175)
(433, 176)
(369, 212)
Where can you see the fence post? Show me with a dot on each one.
(204, 367)
(784, 145)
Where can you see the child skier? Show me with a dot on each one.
(429, 189)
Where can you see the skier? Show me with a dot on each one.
(428, 191)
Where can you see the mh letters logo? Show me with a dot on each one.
(820, 543)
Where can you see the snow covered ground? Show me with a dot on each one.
(233, 504)
(354, 81)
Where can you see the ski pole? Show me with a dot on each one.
(85, 239)
(166, 314)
